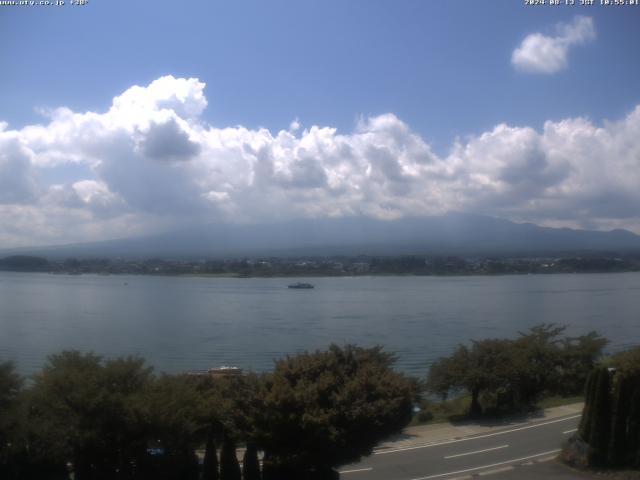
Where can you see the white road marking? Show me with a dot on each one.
(477, 451)
(487, 466)
(570, 431)
(466, 439)
(356, 470)
(496, 470)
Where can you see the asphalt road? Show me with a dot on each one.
(466, 456)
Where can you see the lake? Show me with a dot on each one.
(184, 323)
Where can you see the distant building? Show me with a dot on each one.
(360, 267)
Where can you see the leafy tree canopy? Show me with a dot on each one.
(514, 373)
(87, 410)
(627, 362)
(328, 408)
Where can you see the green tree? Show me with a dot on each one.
(231, 403)
(627, 362)
(85, 410)
(492, 371)
(487, 367)
(448, 373)
(633, 428)
(627, 368)
(505, 374)
(600, 418)
(10, 389)
(619, 442)
(578, 357)
(229, 466)
(174, 412)
(210, 462)
(250, 463)
(329, 408)
(66, 402)
(584, 429)
(537, 357)
(610, 422)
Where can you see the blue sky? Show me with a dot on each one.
(445, 71)
(441, 66)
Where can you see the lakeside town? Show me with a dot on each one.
(327, 266)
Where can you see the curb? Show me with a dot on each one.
(417, 442)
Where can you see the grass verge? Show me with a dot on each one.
(456, 409)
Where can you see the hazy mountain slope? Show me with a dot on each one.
(454, 233)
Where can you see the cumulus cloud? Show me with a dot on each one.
(539, 53)
(184, 97)
(17, 184)
(151, 163)
(168, 141)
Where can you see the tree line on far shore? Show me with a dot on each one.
(108, 419)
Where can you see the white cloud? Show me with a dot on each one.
(160, 167)
(17, 183)
(295, 125)
(539, 53)
(184, 97)
(168, 141)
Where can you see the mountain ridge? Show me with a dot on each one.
(451, 233)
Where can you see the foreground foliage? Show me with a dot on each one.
(610, 424)
(509, 375)
(326, 409)
(114, 419)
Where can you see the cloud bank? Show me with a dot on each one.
(151, 163)
(545, 54)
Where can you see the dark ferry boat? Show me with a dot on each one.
(301, 285)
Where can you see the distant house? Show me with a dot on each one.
(360, 267)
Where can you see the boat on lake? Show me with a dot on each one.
(301, 285)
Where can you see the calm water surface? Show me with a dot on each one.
(183, 323)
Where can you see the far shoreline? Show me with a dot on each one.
(311, 275)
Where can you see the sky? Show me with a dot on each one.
(122, 118)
